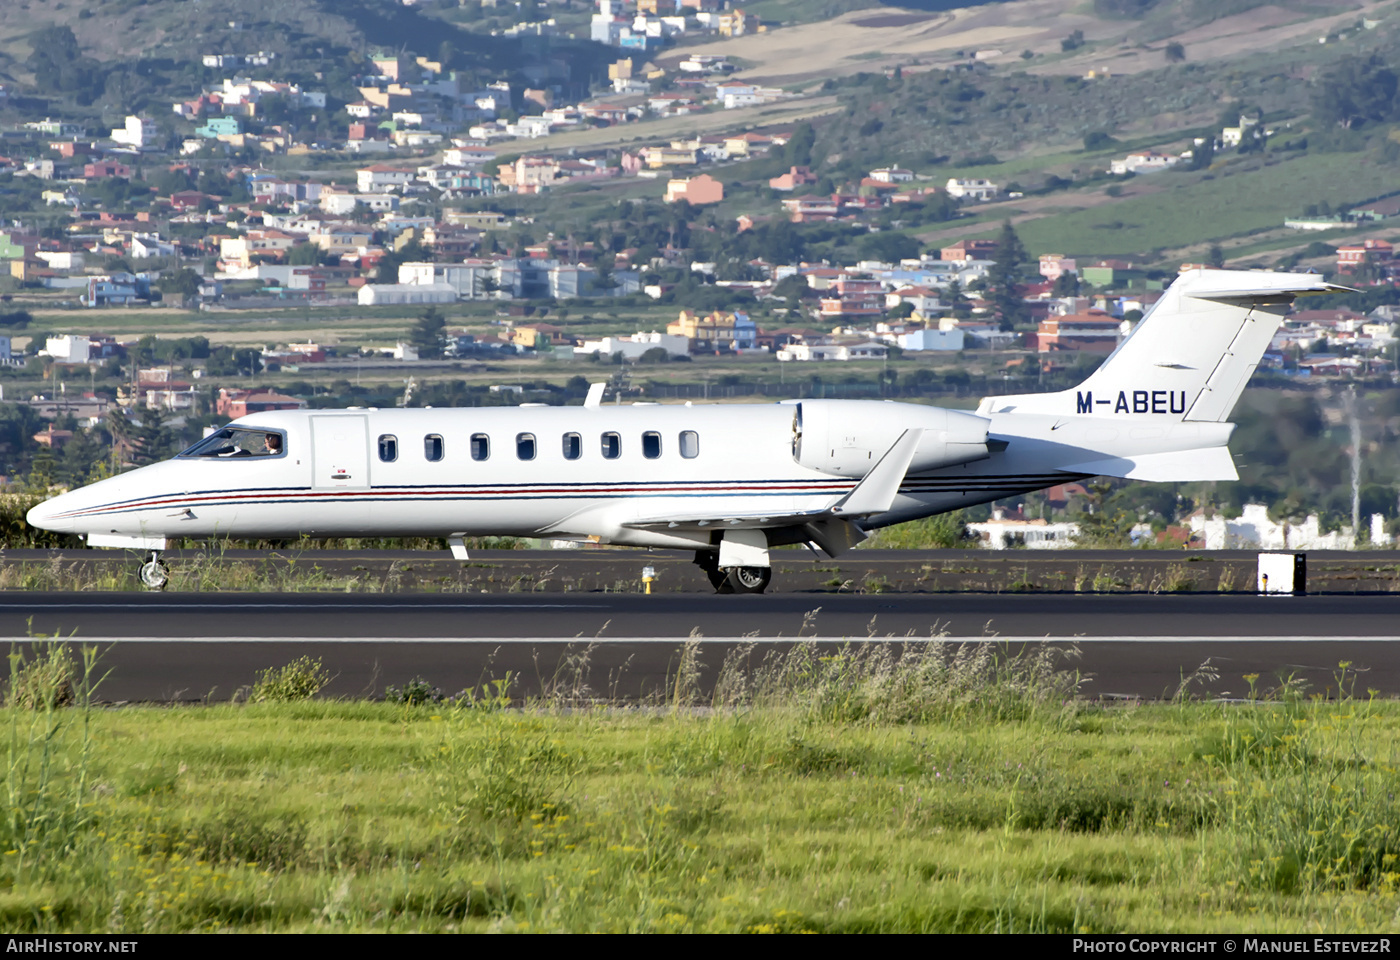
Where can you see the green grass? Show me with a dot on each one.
(943, 792)
(1192, 210)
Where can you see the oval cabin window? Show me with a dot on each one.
(690, 444)
(481, 446)
(525, 446)
(612, 446)
(651, 445)
(573, 446)
(432, 447)
(388, 447)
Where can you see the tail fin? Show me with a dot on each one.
(1190, 356)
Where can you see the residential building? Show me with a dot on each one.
(853, 297)
(1143, 162)
(239, 403)
(1055, 265)
(794, 178)
(972, 189)
(382, 178)
(1091, 333)
(967, 250)
(138, 132)
(1369, 251)
(695, 190)
(862, 350)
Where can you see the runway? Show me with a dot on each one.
(206, 646)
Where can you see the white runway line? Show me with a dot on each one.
(503, 641)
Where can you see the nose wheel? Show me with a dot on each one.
(154, 573)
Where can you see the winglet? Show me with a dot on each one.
(595, 394)
(876, 491)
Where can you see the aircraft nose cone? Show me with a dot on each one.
(44, 516)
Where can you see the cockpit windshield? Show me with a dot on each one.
(238, 442)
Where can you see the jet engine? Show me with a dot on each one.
(846, 438)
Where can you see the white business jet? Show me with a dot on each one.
(727, 481)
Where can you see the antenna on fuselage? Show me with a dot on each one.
(595, 394)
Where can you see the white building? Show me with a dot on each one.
(1000, 533)
(954, 339)
(1146, 161)
(68, 348)
(138, 132)
(1253, 530)
(974, 189)
(384, 294)
(634, 346)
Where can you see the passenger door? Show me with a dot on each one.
(340, 446)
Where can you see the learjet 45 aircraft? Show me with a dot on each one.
(727, 481)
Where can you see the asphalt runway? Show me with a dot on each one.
(161, 647)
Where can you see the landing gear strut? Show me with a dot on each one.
(732, 579)
(154, 573)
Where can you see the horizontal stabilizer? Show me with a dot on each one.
(1185, 466)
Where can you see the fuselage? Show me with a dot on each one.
(598, 473)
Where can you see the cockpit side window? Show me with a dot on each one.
(240, 442)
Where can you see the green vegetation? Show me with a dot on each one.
(879, 788)
(1170, 209)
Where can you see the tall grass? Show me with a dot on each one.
(884, 787)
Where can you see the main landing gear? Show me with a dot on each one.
(154, 573)
(732, 579)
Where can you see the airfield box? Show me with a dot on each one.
(1283, 573)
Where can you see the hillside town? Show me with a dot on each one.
(527, 215)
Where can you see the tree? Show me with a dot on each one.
(1003, 279)
(429, 334)
(1175, 52)
(1072, 42)
(183, 283)
(1215, 256)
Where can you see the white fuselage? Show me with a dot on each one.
(330, 480)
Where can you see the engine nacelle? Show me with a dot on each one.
(846, 438)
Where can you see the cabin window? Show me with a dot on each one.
(573, 446)
(481, 446)
(690, 444)
(388, 447)
(651, 445)
(235, 442)
(525, 446)
(432, 447)
(612, 446)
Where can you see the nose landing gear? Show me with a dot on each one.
(154, 573)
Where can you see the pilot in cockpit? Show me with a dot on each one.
(272, 443)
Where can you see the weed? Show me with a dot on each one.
(414, 693)
(45, 680)
(301, 679)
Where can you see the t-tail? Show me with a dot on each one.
(1175, 379)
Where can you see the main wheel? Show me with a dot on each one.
(749, 579)
(154, 574)
(708, 561)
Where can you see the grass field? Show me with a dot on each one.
(1184, 209)
(940, 791)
